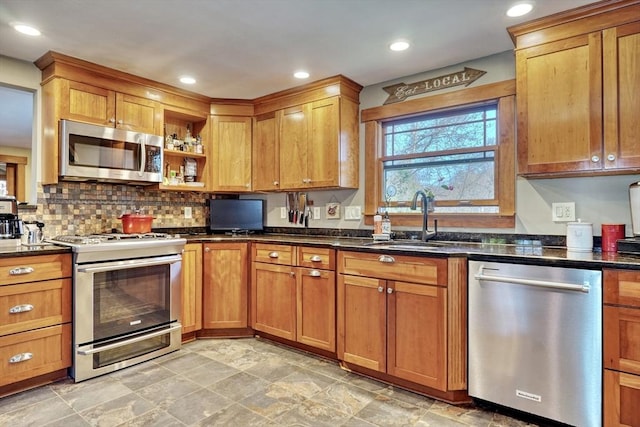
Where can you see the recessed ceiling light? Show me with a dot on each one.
(188, 80)
(301, 75)
(26, 29)
(399, 45)
(520, 9)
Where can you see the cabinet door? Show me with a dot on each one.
(621, 47)
(293, 147)
(559, 106)
(225, 286)
(621, 399)
(87, 103)
(266, 152)
(230, 168)
(316, 308)
(416, 322)
(622, 339)
(191, 317)
(362, 319)
(138, 114)
(273, 299)
(323, 143)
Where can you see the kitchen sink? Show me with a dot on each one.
(406, 244)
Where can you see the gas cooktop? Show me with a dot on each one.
(95, 239)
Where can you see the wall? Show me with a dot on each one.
(598, 199)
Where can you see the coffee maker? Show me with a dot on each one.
(10, 224)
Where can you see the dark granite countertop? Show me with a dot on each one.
(529, 252)
(42, 249)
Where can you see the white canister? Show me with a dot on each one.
(579, 236)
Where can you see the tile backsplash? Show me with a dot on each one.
(87, 208)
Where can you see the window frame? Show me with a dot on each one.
(373, 118)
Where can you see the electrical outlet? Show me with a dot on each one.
(353, 213)
(187, 212)
(283, 213)
(316, 213)
(563, 212)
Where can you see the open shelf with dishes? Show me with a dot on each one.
(179, 163)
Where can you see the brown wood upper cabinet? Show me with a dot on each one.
(230, 168)
(105, 107)
(577, 91)
(304, 139)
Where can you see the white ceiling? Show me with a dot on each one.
(249, 48)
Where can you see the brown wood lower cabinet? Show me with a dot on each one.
(293, 294)
(414, 328)
(225, 286)
(191, 316)
(35, 320)
(621, 348)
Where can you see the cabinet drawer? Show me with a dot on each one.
(622, 287)
(34, 353)
(34, 305)
(34, 268)
(274, 254)
(323, 258)
(431, 271)
(622, 339)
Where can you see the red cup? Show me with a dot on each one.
(611, 233)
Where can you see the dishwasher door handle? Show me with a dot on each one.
(529, 282)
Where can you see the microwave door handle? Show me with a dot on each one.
(143, 158)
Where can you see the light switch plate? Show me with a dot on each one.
(352, 213)
(316, 213)
(187, 212)
(283, 213)
(563, 212)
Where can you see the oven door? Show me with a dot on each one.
(124, 310)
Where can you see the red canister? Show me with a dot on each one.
(611, 233)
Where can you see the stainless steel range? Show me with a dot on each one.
(126, 299)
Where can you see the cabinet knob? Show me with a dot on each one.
(247, 185)
(292, 273)
(380, 289)
(273, 254)
(595, 159)
(276, 183)
(207, 249)
(314, 273)
(389, 290)
(21, 308)
(387, 259)
(611, 157)
(315, 258)
(120, 122)
(112, 120)
(20, 357)
(19, 271)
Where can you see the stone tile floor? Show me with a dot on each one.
(236, 382)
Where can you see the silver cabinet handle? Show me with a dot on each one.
(276, 183)
(207, 249)
(19, 271)
(120, 121)
(315, 258)
(595, 159)
(389, 290)
(21, 308)
(112, 120)
(386, 258)
(380, 289)
(315, 273)
(273, 254)
(611, 157)
(292, 273)
(21, 357)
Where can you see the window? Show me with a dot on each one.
(458, 148)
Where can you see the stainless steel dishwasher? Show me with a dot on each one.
(535, 340)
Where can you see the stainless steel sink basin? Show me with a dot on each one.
(406, 244)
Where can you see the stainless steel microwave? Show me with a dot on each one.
(92, 152)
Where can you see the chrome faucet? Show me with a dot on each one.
(426, 234)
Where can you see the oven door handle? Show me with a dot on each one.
(134, 340)
(121, 265)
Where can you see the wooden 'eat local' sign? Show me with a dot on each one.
(401, 91)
